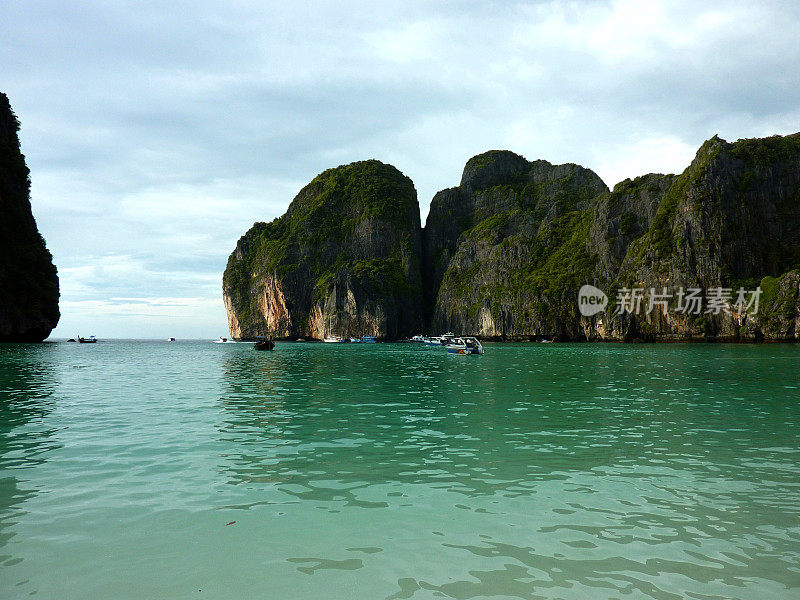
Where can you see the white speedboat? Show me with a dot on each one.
(464, 345)
(334, 339)
(224, 340)
(441, 340)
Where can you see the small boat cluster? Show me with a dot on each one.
(453, 344)
(90, 340)
(364, 339)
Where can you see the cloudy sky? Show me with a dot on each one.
(158, 132)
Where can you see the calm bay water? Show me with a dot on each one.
(200, 470)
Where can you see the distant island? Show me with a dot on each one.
(504, 255)
(29, 289)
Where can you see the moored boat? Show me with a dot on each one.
(441, 340)
(264, 344)
(464, 345)
(90, 340)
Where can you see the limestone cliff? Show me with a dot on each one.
(507, 250)
(343, 260)
(28, 279)
(504, 249)
(731, 219)
(504, 253)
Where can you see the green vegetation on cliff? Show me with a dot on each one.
(561, 260)
(766, 152)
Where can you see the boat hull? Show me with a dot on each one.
(468, 345)
(458, 351)
(461, 350)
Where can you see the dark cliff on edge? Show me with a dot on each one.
(28, 279)
(504, 253)
(343, 260)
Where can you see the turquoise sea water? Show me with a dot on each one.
(388, 471)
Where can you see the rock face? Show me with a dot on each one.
(28, 279)
(509, 248)
(503, 255)
(343, 260)
(731, 219)
(505, 248)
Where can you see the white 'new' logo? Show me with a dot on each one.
(591, 300)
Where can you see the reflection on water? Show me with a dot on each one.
(395, 471)
(26, 386)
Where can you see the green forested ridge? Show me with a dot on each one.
(504, 253)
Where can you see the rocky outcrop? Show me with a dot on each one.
(504, 253)
(509, 248)
(343, 260)
(503, 248)
(28, 279)
(730, 220)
